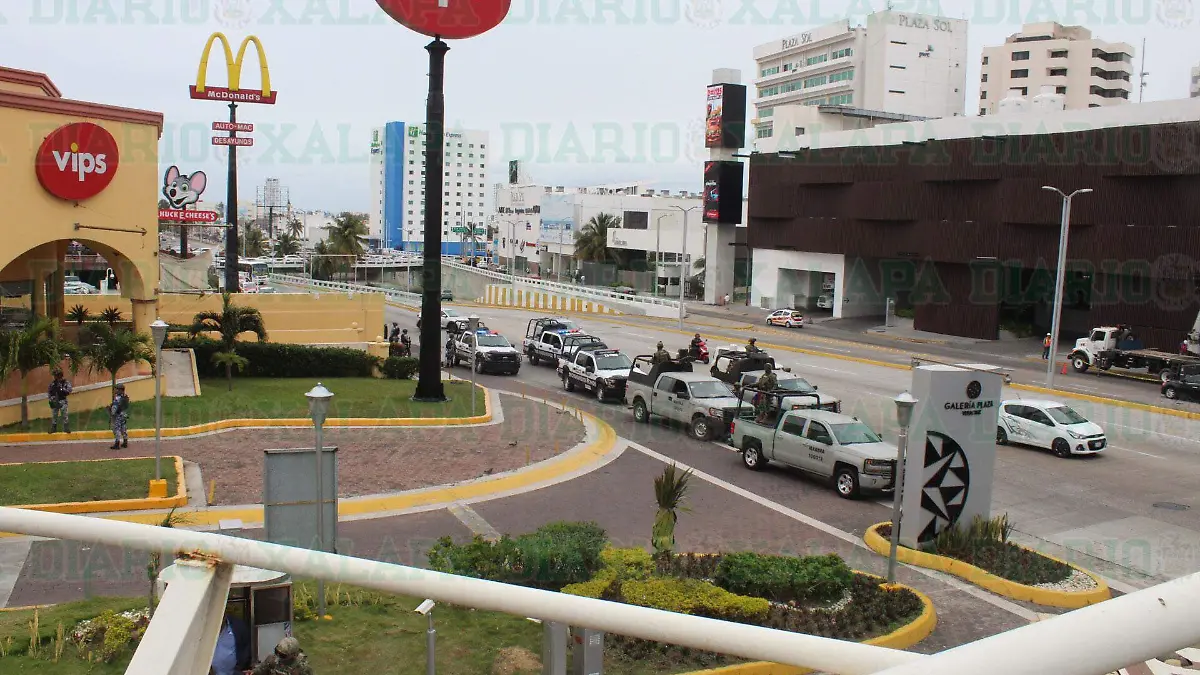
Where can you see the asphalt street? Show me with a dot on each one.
(1130, 513)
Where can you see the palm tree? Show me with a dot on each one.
(294, 227)
(38, 345)
(230, 322)
(110, 349)
(591, 242)
(287, 244)
(347, 233)
(78, 314)
(254, 244)
(670, 490)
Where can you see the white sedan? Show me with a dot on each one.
(1051, 425)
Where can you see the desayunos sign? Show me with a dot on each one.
(77, 161)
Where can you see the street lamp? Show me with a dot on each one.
(319, 399)
(158, 330)
(683, 265)
(904, 410)
(1056, 317)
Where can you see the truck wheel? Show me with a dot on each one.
(700, 427)
(846, 482)
(1171, 393)
(753, 458)
(600, 393)
(1164, 375)
(533, 357)
(1001, 436)
(478, 365)
(1079, 364)
(568, 384)
(640, 413)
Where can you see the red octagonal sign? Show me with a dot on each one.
(77, 161)
(450, 19)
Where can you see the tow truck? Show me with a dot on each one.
(602, 371)
(1118, 347)
(492, 351)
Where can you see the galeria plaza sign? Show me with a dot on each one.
(233, 93)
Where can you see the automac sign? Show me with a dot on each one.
(233, 92)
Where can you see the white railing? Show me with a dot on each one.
(403, 297)
(589, 292)
(1095, 640)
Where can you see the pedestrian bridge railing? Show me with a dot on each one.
(182, 636)
(391, 294)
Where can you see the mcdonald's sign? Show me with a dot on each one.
(233, 93)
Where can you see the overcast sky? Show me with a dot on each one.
(549, 84)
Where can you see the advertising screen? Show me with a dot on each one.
(713, 116)
(723, 192)
(712, 191)
(725, 116)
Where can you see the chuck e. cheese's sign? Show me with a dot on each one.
(77, 161)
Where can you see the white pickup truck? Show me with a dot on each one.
(673, 391)
(602, 371)
(493, 352)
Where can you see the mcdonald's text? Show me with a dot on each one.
(231, 96)
(233, 126)
(182, 216)
(233, 91)
(235, 140)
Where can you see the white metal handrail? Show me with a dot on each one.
(344, 287)
(558, 287)
(752, 642)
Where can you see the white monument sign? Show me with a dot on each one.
(951, 453)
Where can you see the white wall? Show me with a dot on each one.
(933, 85)
(768, 283)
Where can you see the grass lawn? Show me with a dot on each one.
(283, 398)
(377, 634)
(56, 482)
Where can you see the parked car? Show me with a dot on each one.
(1051, 425)
(788, 318)
(825, 301)
(1186, 385)
(451, 320)
(447, 295)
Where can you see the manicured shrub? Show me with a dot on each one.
(400, 367)
(619, 564)
(693, 596)
(276, 359)
(481, 559)
(817, 578)
(552, 557)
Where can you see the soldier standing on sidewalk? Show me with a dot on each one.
(57, 395)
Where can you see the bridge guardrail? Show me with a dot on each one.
(404, 297)
(568, 289)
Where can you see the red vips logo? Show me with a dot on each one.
(77, 161)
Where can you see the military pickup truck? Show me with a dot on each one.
(493, 352)
(575, 343)
(831, 446)
(793, 384)
(731, 362)
(671, 390)
(602, 371)
(544, 339)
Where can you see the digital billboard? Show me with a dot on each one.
(725, 116)
(558, 218)
(723, 192)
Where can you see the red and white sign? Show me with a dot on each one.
(233, 126)
(184, 216)
(236, 140)
(77, 161)
(448, 19)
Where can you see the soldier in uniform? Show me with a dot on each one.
(752, 348)
(118, 415)
(287, 659)
(661, 356)
(763, 400)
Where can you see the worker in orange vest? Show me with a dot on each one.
(1046, 347)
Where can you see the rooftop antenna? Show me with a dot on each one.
(1142, 75)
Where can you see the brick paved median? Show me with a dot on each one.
(370, 461)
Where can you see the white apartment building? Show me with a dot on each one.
(1196, 82)
(397, 175)
(900, 66)
(1089, 72)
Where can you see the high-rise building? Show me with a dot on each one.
(1089, 73)
(1196, 82)
(397, 215)
(899, 66)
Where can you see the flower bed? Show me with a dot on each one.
(1003, 558)
(818, 595)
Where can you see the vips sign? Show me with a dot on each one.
(233, 93)
(951, 455)
(77, 161)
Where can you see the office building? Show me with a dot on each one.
(397, 175)
(898, 67)
(1088, 72)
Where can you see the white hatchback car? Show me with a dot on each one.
(1051, 425)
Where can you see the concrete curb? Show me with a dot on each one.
(248, 423)
(108, 505)
(903, 637)
(991, 582)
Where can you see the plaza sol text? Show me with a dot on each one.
(971, 407)
(907, 21)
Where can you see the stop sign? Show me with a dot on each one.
(450, 19)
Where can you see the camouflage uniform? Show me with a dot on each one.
(118, 414)
(661, 356)
(767, 383)
(273, 665)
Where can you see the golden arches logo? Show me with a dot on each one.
(233, 93)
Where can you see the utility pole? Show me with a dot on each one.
(1142, 75)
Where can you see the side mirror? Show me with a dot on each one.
(815, 387)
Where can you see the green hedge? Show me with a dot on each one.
(400, 367)
(551, 557)
(693, 596)
(619, 564)
(816, 578)
(277, 359)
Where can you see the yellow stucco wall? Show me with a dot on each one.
(33, 219)
(91, 397)
(298, 318)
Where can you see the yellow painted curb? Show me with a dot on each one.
(991, 582)
(493, 485)
(107, 505)
(903, 637)
(288, 422)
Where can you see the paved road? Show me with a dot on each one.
(1098, 511)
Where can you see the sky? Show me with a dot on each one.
(602, 91)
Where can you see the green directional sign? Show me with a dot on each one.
(464, 230)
